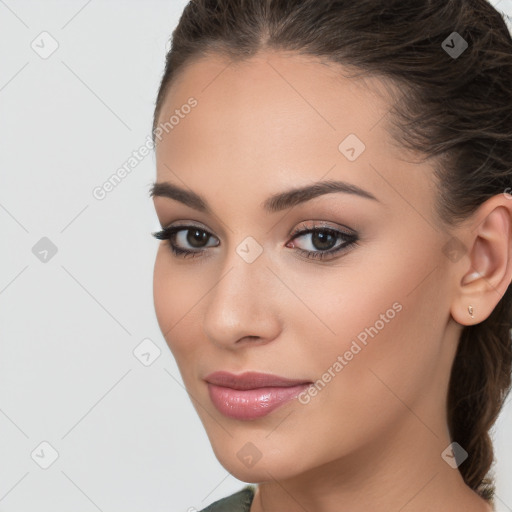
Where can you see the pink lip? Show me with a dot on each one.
(251, 395)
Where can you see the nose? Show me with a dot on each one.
(242, 306)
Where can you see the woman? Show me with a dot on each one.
(333, 185)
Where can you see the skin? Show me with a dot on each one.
(372, 438)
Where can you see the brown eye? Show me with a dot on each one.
(324, 242)
(196, 237)
(191, 239)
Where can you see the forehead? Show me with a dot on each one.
(276, 113)
(302, 85)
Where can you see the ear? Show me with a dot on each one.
(484, 274)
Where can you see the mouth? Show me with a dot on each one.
(251, 395)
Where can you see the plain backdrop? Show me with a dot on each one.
(85, 424)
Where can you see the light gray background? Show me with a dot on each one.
(127, 436)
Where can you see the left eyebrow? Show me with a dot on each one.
(275, 203)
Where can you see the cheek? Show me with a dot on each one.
(387, 341)
(164, 301)
(174, 299)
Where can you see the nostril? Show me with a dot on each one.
(249, 338)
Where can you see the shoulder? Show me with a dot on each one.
(238, 502)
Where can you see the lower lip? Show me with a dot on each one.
(251, 403)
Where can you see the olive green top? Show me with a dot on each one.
(238, 502)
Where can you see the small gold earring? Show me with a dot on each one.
(470, 309)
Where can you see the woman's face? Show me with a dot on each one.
(369, 324)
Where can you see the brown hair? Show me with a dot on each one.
(454, 107)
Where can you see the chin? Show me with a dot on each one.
(258, 461)
(260, 472)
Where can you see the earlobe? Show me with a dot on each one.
(489, 272)
(468, 316)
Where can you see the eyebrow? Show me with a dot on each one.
(275, 203)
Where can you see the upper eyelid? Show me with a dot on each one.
(320, 225)
(317, 224)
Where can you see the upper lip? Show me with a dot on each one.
(251, 380)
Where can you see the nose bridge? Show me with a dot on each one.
(239, 304)
(245, 268)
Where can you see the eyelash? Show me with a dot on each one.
(351, 239)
